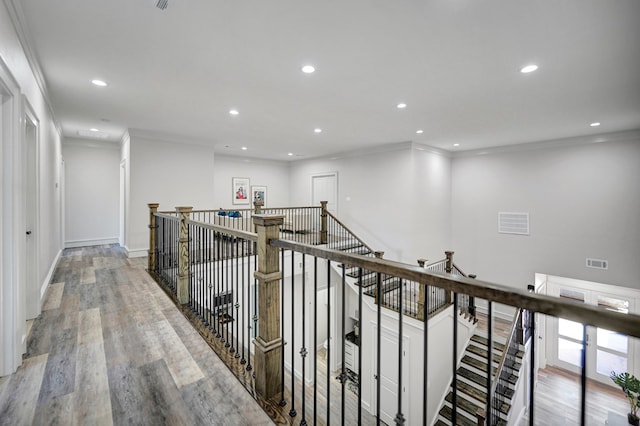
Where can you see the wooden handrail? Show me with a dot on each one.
(249, 236)
(628, 324)
(346, 228)
(512, 331)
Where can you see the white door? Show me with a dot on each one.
(389, 375)
(32, 290)
(607, 351)
(324, 187)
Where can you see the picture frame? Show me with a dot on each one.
(240, 190)
(259, 192)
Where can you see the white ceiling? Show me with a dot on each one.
(455, 63)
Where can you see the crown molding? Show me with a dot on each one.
(168, 137)
(623, 136)
(19, 24)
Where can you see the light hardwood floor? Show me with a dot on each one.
(111, 348)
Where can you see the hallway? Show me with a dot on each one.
(111, 348)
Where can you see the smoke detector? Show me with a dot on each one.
(162, 4)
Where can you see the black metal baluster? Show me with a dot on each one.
(283, 402)
(250, 247)
(583, 378)
(343, 375)
(303, 350)
(399, 416)
(243, 297)
(490, 361)
(293, 411)
(218, 272)
(315, 340)
(425, 361)
(454, 413)
(532, 370)
(328, 342)
(235, 322)
(378, 337)
(359, 337)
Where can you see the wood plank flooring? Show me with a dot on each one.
(111, 348)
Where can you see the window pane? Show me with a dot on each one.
(571, 294)
(611, 304)
(570, 352)
(570, 329)
(608, 362)
(612, 340)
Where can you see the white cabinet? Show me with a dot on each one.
(351, 356)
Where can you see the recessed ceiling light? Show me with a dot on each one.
(244, 148)
(419, 131)
(401, 105)
(317, 130)
(596, 124)
(308, 69)
(93, 129)
(456, 144)
(290, 154)
(528, 69)
(100, 83)
(233, 112)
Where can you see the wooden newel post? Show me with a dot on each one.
(448, 269)
(268, 343)
(153, 209)
(421, 293)
(323, 223)
(183, 255)
(257, 206)
(378, 255)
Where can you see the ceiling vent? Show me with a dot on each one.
(513, 223)
(162, 4)
(597, 263)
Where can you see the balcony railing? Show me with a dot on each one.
(313, 349)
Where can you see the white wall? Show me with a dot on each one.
(92, 192)
(583, 201)
(49, 161)
(272, 174)
(170, 173)
(395, 198)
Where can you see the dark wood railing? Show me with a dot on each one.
(257, 294)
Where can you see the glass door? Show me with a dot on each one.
(570, 335)
(610, 349)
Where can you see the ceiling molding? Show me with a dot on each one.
(431, 149)
(624, 136)
(18, 19)
(166, 137)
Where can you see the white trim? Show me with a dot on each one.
(47, 279)
(93, 242)
(136, 252)
(166, 137)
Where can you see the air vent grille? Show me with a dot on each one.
(597, 263)
(162, 4)
(513, 223)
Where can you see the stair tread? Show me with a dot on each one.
(485, 342)
(464, 404)
(477, 350)
(476, 363)
(472, 391)
(447, 412)
(387, 286)
(470, 375)
(346, 245)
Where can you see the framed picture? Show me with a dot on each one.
(240, 187)
(259, 192)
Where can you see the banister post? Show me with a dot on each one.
(378, 255)
(421, 293)
(183, 255)
(257, 206)
(268, 343)
(323, 222)
(448, 269)
(153, 209)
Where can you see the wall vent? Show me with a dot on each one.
(513, 223)
(597, 263)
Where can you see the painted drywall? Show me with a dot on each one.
(583, 201)
(92, 192)
(395, 199)
(272, 174)
(48, 224)
(169, 173)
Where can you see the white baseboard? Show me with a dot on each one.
(87, 243)
(136, 252)
(47, 279)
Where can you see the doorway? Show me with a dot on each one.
(31, 194)
(324, 187)
(606, 351)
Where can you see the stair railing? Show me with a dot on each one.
(340, 235)
(496, 398)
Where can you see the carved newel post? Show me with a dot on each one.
(323, 222)
(153, 209)
(268, 343)
(183, 255)
(378, 255)
(421, 292)
(448, 269)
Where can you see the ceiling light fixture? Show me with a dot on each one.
(401, 105)
(528, 69)
(596, 124)
(290, 154)
(93, 129)
(99, 83)
(308, 69)
(317, 130)
(419, 131)
(456, 144)
(244, 148)
(233, 112)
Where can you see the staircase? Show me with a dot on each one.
(472, 381)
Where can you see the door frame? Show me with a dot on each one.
(325, 174)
